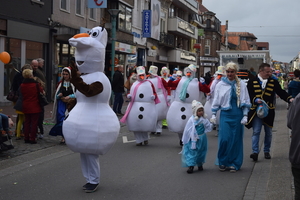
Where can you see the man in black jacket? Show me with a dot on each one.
(118, 89)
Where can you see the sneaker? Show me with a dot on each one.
(222, 168)
(91, 188)
(232, 169)
(146, 142)
(254, 156)
(41, 136)
(85, 186)
(267, 155)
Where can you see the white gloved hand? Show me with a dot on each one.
(213, 119)
(10, 122)
(244, 120)
(152, 97)
(202, 80)
(193, 145)
(129, 96)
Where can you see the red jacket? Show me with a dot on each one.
(30, 102)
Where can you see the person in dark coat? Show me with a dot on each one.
(263, 87)
(294, 85)
(118, 89)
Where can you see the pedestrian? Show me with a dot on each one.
(194, 138)
(294, 85)
(141, 114)
(31, 107)
(263, 87)
(187, 89)
(118, 89)
(231, 97)
(293, 117)
(64, 93)
(252, 71)
(5, 133)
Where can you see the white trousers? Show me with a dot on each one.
(141, 136)
(90, 167)
(159, 126)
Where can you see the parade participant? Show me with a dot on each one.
(64, 93)
(92, 127)
(231, 97)
(141, 114)
(294, 85)
(165, 77)
(263, 87)
(194, 138)
(162, 93)
(210, 96)
(187, 89)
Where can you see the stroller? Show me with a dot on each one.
(3, 146)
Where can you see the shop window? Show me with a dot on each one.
(125, 18)
(80, 7)
(65, 5)
(93, 13)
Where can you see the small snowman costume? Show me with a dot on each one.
(187, 89)
(91, 128)
(141, 114)
(163, 106)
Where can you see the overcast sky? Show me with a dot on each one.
(273, 21)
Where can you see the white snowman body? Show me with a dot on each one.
(143, 115)
(91, 127)
(180, 111)
(162, 107)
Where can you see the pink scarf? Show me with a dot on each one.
(156, 100)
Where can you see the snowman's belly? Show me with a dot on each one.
(178, 115)
(142, 117)
(91, 128)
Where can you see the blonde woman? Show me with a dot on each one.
(232, 98)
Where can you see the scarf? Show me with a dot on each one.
(182, 95)
(263, 81)
(233, 88)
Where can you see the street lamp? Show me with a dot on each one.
(113, 13)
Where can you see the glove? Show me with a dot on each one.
(152, 97)
(129, 96)
(193, 145)
(244, 120)
(202, 80)
(169, 98)
(213, 119)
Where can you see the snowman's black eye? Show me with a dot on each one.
(94, 33)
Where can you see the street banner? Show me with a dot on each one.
(146, 23)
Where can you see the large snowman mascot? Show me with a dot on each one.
(91, 128)
(141, 115)
(187, 89)
(162, 93)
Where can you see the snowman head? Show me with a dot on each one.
(190, 71)
(141, 73)
(165, 72)
(153, 71)
(90, 50)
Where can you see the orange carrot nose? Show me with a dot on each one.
(219, 76)
(164, 74)
(148, 75)
(81, 35)
(142, 77)
(188, 73)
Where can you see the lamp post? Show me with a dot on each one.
(113, 13)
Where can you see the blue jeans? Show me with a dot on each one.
(3, 122)
(118, 102)
(257, 124)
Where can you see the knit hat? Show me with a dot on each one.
(195, 106)
(140, 70)
(221, 70)
(153, 70)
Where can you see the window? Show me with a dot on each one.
(93, 13)
(171, 11)
(80, 7)
(65, 5)
(207, 47)
(125, 17)
(163, 19)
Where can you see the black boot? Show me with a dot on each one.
(190, 170)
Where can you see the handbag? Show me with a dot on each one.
(12, 96)
(262, 110)
(42, 98)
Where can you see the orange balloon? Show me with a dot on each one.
(5, 57)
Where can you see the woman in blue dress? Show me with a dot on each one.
(232, 98)
(194, 139)
(64, 92)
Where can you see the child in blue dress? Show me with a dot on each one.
(194, 138)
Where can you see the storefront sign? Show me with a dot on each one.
(146, 23)
(97, 3)
(244, 56)
(187, 56)
(126, 48)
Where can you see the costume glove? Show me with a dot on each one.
(244, 120)
(152, 97)
(193, 145)
(213, 119)
(202, 80)
(129, 96)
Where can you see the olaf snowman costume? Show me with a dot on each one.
(91, 128)
(187, 89)
(141, 115)
(162, 93)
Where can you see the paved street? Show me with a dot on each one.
(48, 170)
